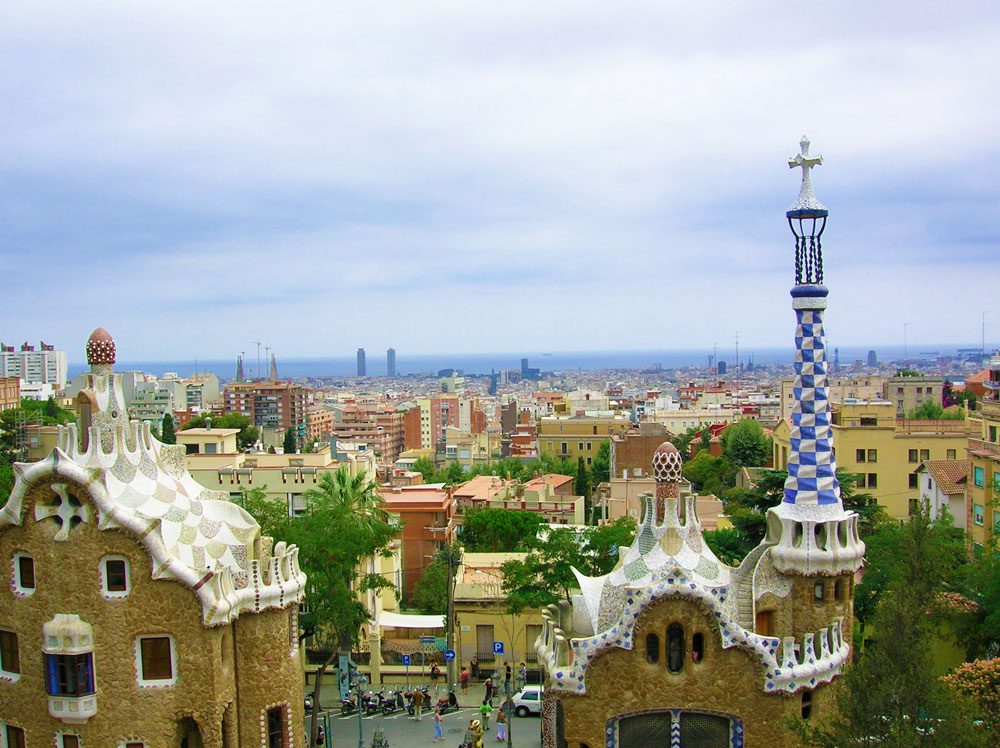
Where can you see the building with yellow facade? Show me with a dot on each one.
(883, 450)
(142, 610)
(983, 482)
(572, 436)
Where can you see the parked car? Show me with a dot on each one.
(528, 701)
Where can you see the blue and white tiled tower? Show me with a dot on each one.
(812, 532)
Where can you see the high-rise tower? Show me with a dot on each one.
(812, 531)
(390, 362)
(362, 369)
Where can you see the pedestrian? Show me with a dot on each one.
(418, 704)
(435, 674)
(522, 675)
(488, 698)
(438, 726)
(484, 715)
(506, 679)
(463, 678)
(501, 724)
(474, 664)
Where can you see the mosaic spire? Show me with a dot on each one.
(812, 469)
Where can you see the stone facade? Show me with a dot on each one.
(106, 573)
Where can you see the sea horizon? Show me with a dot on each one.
(474, 364)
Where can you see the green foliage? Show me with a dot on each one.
(426, 468)
(729, 544)
(47, 413)
(499, 530)
(455, 474)
(977, 626)
(581, 485)
(247, 436)
(167, 433)
(600, 470)
(6, 479)
(710, 474)
(683, 442)
(931, 411)
(745, 445)
(288, 444)
(892, 695)
(545, 575)
(272, 516)
(50, 411)
(430, 594)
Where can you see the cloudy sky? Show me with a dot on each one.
(467, 176)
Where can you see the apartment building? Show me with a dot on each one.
(571, 437)
(382, 427)
(549, 495)
(425, 423)
(10, 392)
(277, 406)
(426, 515)
(45, 366)
(839, 388)
(909, 393)
(983, 481)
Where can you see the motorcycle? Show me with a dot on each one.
(348, 706)
(373, 701)
(448, 703)
(394, 700)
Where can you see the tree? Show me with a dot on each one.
(248, 433)
(977, 625)
(288, 445)
(745, 445)
(546, 576)
(931, 411)
(683, 442)
(891, 696)
(167, 433)
(600, 470)
(980, 680)
(710, 474)
(426, 468)
(729, 544)
(499, 530)
(430, 594)
(581, 484)
(455, 474)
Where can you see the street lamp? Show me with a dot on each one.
(359, 691)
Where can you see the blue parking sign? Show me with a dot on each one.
(405, 659)
(498, 648)
(449, 655)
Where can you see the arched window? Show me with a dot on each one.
(698, 647)
(818, 593)
(675, 648)
(652, 648)
(807, 704)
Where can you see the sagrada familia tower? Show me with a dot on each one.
(673, 647)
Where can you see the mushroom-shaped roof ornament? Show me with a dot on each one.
(100, 348)
(667, 463)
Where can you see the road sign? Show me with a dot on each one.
(449, 655)
(428, 639)
(441, 643)
(405, 659)
(498, 648)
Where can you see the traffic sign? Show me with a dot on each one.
(498, 648)
(405, 659)
(449, 655)
(428, 639)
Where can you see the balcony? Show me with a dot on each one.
(983, 448)
(73, 710)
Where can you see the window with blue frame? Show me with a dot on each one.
(978, 476)
(996, 481)
(70, 675)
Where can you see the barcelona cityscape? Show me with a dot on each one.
(550, 375)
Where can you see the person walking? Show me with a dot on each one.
(488, 698)
(438, 726)
(501, 724)
(484, 715)
(474, 664)
(463, 678)
(418, 704)
(435, 674)
(506, 678)
(522, 676)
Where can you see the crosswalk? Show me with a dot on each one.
(395, 715)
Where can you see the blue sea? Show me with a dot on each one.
(483, 363)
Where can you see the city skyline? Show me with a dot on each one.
(441, 165)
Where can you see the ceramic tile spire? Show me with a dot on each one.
(810, 532)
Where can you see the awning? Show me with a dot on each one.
(403, 621)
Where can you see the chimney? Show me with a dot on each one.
(208, 424)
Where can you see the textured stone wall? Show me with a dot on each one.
(68, 581)
(730, 681)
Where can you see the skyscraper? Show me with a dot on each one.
(362, 370)
(390, 362)
(872, 358)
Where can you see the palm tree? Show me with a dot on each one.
(358, 495)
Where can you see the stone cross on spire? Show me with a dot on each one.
(807, 199)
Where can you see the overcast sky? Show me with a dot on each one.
(470, 176)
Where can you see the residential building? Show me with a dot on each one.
(481, 615)
(425, 424)
(942, 488)
(470, 450)
(679, 421)
(362, 368)
(840, 389)
(123, 632)
(570, 437)
(550, 496)
(983, 481)
(274, 406)
(883, 451)
(910, 392)
(321, 423)
(380, 426)
(425, 512)
(10, 392)
(632, 452)
(45, 366)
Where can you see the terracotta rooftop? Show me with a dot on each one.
(553, 479)
(950, 475)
